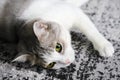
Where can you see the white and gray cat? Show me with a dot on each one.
(42, 30)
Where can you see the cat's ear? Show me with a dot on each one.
(46, 32)
(39, 29)
(24, 58)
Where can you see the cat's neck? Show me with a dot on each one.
(48, 11)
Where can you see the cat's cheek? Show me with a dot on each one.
(70, 55)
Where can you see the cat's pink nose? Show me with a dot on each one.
(67, 61)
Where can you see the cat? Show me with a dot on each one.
(41, 28)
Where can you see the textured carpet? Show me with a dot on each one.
(88, 64)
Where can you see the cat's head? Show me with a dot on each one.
(55, 45)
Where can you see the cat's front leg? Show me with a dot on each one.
(101, 44)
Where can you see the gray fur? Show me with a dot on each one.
(9, 11)
(13, 29)
(30, 44)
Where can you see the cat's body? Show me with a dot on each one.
(38, 25)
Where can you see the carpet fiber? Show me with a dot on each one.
(88, 64)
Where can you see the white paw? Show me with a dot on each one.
(106, 49)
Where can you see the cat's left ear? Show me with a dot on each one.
(40, 29)
(46, 32)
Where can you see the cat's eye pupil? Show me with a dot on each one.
(58, 47)
(51, 65)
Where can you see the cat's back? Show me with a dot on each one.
(9, 11)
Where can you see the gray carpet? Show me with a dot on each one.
(88, 64)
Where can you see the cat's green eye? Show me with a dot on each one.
(51, 65)
(58, 47)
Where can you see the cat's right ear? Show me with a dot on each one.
(24, 58)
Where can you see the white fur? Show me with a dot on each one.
(77, 3)
(67, 14)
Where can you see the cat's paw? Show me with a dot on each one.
(106, 49)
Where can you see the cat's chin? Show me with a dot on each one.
(59, 66)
